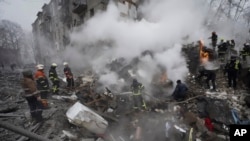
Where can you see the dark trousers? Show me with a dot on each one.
(214, 44)
(44, 95)
(70, 82)
(35, 108)
(213, 82)
(179, 96)
(138, 101)
(232, 76)
(211, 76)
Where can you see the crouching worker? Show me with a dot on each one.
(180, 92)
(32, 96)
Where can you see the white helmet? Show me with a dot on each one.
(54, 65)
(40, 66)
(65, 63)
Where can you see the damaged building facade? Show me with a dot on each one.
(59, 18)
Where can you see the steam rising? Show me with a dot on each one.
(165, 26)
(166, 22)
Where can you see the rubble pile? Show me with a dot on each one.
(89, 113)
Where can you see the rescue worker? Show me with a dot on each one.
(32, 96)
(137, 88)
(214, 39)
(42, 85)
(180, 91)
(233, 69)
(54, 78)
(245, 51)
(222, 48)
(232, 43)
(69, 76)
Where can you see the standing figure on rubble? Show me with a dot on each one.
(180, 91)
(32, 96)
(42, 85)
(222, 48)
(69, 76)
(232, 44)
(245, 51)
(54, 78)
(137, 88)
(233, 70)
(214, 39)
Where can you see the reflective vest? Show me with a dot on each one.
(41, 80)
(237, 65)
(244, 53)
(53, 75)
(138, 90)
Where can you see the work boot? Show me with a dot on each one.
(39, 117)
(32, 121)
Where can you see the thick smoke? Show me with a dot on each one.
(162, 30)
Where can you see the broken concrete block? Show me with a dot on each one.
(82, 116)
(73, 97)
(168, 125)
(69, 135)
(110, 110)
(87, 79)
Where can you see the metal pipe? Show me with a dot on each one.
(22, 131)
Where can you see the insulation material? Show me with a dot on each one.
(82, 116)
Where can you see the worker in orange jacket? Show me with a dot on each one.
(69, 76)
(42, 84)
(32, 96)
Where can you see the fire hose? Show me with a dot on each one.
(35, 93)
(22, 131)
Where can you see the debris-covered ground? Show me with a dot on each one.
(87, 115)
